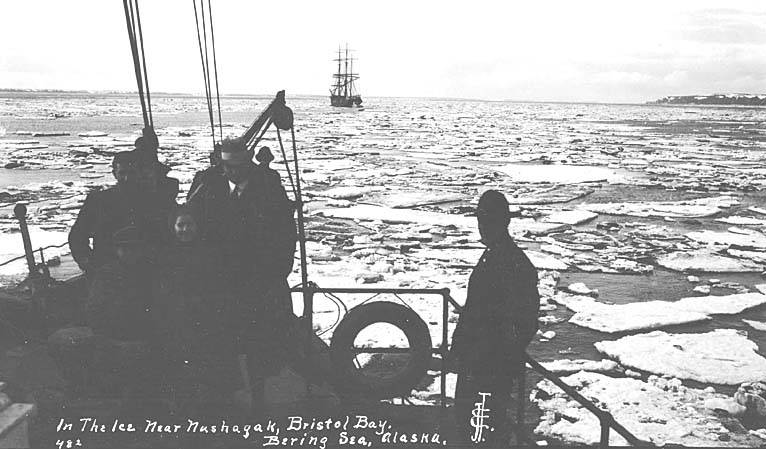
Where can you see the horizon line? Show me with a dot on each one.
(202, 95)
(506, 100)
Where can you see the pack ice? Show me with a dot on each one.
(659, 411)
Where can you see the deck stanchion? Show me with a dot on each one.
(308, 314)
(604, 433)
(445, 347)
(20, 211)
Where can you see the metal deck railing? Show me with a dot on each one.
(606, 419)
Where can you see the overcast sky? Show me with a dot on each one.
(606, 51)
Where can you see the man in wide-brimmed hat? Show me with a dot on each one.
(496, 324)
(248, 215)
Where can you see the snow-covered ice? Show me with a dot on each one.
(708, 262)
(722, 356)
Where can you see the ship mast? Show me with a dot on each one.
(338, 76)
(345, 78)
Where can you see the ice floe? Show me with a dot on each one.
(579, 288)
(391, 215)
(728, 304)
(345, 192)
(612, 318)
(571, 217)
(567, 366)
(757, 325)
(746, 239)
(407, 199)
(92, 134)
(549, 195)
(703, 207)
(633, 316)
(741, 221)
(707, 261)
(722, 356)
(543, 261)
(560, 174)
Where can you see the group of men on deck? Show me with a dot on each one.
(194, 281)
(207, 281)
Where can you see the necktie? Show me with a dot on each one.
(234, 193)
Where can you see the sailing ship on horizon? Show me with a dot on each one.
(342, 92)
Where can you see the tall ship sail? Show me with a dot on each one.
(342, 92)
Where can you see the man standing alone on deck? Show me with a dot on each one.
(247, 214)
(496, 324)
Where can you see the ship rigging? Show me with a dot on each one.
(342, 92)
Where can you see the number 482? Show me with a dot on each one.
(68, 444)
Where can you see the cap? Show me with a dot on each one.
(264, 155)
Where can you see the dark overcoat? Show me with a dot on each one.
(189, 299)
(107, 211)
(119, 302)
(500, 314)
(257, 234)
(103, 213)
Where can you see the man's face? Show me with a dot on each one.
(490, 225)
(147, 177)
(124, 173)
(235, 173)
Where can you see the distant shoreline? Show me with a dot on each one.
(749, 100)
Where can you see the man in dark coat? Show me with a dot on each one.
(495, 326)
(247, 214)
(214, 169)
(119, 301)
(118, 310)
(103, 213)
(157, 196)
(152, 174)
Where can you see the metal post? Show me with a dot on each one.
(604, 433)
(308, 292)
(444, 348)
(20, 211)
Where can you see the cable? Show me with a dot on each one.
(204, 72)
(287, 164)
(204, 52)
(131, 25)
(143, 62)
(206, 68)
(215, 70)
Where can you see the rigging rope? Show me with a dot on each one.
(135, 36)
(204, 53)
(287, 164)
(143, 63)
(215, 70)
